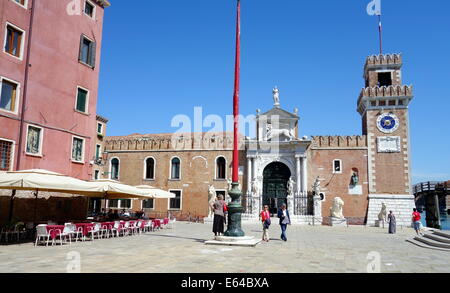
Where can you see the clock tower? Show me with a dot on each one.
(383, 106)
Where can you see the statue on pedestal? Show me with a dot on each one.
(316, 187)
(317, 198)
(211, 199)
(290, 187)
(276, 97)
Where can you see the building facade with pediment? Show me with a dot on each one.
(321, 179)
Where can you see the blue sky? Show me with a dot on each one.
(163, 58)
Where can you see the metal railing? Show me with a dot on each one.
(251, 204)
(302, 205)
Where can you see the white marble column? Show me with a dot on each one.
(249, 175)
(299, 177)
(304, 164)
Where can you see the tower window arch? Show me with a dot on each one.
(150, 168)
(175, 169)
(221, 168)
(115, 165)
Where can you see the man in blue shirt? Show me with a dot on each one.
(283, 215)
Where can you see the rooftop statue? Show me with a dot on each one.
(276, 97)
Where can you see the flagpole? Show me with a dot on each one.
(380, 30)
(236, 95)
(235, 208)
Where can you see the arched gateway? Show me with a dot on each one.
(275, 179)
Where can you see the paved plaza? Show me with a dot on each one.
(319, 249)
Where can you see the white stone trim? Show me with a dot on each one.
(170, 169)
(110, 169)
(94, 12)
(216, 170)
(25, 4)
(181, 201)
(22, 45)
(18, 91)
(13, 150)
(82, 151)
(41, 141)
(87, 100)
(340, 166)
(144, 176)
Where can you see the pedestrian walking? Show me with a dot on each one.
(392, 223)
(416, 221)
(219, 207)
(265, 218)
(283, 215)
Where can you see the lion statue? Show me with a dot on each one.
(336, 209)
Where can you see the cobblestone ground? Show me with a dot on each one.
(316, 249)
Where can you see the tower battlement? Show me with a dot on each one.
(387, 91)
(384, 97)
(338, 141)
(384, 59)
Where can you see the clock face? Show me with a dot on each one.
(388, 123)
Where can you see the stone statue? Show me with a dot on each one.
(290, 186)
(316, 187)
(211, 199)
(382, 216)
(229, 181)
(276, 96)
(355, 179)
(336, 209)
(255, 188)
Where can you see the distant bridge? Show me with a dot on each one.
(435, 197)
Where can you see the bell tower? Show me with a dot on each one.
(383, 106)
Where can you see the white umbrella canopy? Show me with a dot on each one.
(115, 190)
(44, 180)
(155, 192)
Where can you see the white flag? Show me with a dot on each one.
(374, 7)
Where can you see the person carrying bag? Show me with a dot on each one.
(265, 218)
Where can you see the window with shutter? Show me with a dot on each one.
(82, 96)
(8, 94)
(87, 51)
(13, 45)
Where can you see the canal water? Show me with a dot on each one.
(445, 220)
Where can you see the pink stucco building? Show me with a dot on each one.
(49, 72)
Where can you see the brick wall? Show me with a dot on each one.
(337, 184)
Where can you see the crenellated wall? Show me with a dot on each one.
(384, 59)
(176, 142)
(354, 141)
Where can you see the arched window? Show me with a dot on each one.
(115, 169)
(150, 168)
(221, 165)
(175, 169)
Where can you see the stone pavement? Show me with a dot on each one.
(319, 249)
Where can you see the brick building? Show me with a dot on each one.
(281, 166)
(49, 71)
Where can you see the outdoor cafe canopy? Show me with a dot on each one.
(44, 180)
(154, 192)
